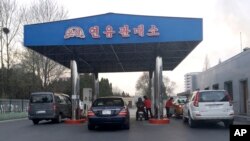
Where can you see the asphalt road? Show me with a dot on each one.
(24, 130)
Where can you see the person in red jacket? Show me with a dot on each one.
(147, 103)
(169, 104)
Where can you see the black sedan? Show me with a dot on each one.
(108, 111)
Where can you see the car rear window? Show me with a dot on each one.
(41, 98)
(181, 100)
(213, 96)
(108, 102)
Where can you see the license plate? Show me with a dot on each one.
(106, 112)
(214, 107)
(40, 112)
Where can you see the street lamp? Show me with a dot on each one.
(4, 30)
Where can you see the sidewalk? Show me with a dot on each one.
(242, 119)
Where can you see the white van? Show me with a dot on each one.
(209, 105)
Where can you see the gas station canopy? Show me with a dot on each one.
(115, 42)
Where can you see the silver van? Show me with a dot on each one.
(49, 106)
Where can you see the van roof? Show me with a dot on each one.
(42, 93)
(34, 93)
(211, 90)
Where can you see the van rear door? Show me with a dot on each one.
(42, 104)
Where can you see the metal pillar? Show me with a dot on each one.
(75, 89)
(96, 86)
(158, 88)
(151, 85)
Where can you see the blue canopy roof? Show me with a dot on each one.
(116, 42)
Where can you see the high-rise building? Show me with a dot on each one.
(190, 81)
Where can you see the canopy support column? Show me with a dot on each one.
(151, 87)
(75, 90)
(158, 88)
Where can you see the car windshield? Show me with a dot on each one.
(41, 98)
(108, 102)
(213, 96)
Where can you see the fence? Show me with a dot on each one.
(13, 105)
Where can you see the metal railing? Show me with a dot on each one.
(13, 105)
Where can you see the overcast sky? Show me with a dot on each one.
(223, 21)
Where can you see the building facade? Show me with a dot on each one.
(232, 75)
(190, 81)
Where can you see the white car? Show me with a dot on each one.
(208, 105)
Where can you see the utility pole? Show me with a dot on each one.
(5, 31)
(240, 43)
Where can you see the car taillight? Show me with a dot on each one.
(90, 112)
(54, 107)
(123, 112)
(196, 100)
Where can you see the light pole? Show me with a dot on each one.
(4, 30)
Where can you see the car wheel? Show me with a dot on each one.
(58, 119)
(91, 127)
(191, 122)
(35, 121)
(126, 125)
(227, 123)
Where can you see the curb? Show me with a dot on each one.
(159, 121)
(77, 121)
(12, 120)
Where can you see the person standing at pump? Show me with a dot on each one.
(147, 103)
(169, 104)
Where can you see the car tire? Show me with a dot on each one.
(126, 125)
(191, 122)
(58, 119)
(91, 127)
(227, 123)
(35, 121)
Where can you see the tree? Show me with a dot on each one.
(105, 88)
(20, 83)
(62, 85)
(142, 86)
(169, 86)
(11, 17)
(116, 91)
(47, 70)
(43, 11)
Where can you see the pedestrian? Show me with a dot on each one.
(147, 103)
(169, 104)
